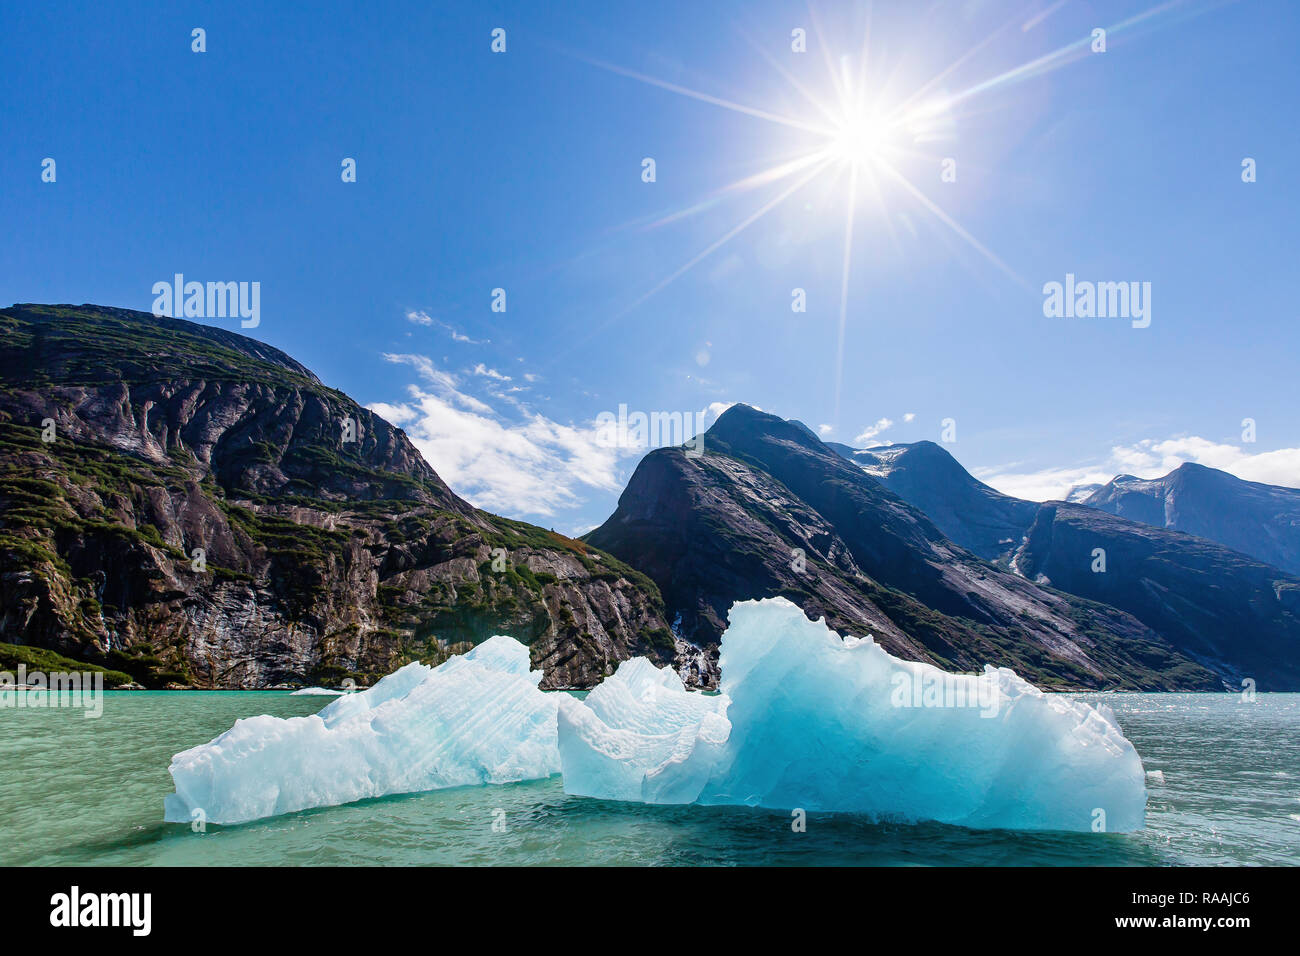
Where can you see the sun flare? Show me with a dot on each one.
(860, 138)
(872, 147)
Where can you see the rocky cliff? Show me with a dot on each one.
(1260, 520)
(195, 508)
(1235, 614)
(768, 509)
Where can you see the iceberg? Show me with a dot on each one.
(475, 719)
(809, 720)
(805, 720)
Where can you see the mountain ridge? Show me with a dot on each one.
(322, 558)
(768, 510)
(1254, 518)
(1228, 609)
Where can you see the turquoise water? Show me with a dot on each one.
(90, 792)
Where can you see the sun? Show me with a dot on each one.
(860, 138)
(869, 137)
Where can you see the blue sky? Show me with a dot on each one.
(523, 170)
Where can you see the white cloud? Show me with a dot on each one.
(1149, 458)
(825, 429)
(420, 317)
(909, 416)
(1048, 484)
(481, 369)
(397, 415)
(534, 466)
(444, 381)
(871, 431)
(520, 463)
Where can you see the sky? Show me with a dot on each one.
(913, 174)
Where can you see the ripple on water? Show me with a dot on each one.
(90, 792)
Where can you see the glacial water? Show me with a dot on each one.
(90, 792)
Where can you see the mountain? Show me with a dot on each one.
(768, 509)
(1236, 615)
(968, 511)
(1080, 493)
(323, 558)
(1260, 520)
(1232, 612)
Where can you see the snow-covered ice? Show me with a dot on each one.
(475, 719)
(809, 720)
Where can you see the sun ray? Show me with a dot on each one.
(952, 224)
(1070, 53)
(729, 235)
(845, 266)
(902, 108)
(761, 178)
(825, 49)
(708, 98)
(790, 78)
(694, 261)
(863, 57)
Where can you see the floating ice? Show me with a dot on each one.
(475, 719)
(808, 720)
(318, 692)
(641, 735)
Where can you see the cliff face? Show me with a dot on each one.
(1225, 608)
(768, 509)
(329, 547)
(1260, 520)
(1239, 616)
(968, 511)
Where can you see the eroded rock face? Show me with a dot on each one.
(1260, 520)
(321, 558)
(1227, 609)
(1236, 615)
(769, 510)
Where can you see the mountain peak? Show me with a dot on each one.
(741, 425)
(329, 547)
(95, 343)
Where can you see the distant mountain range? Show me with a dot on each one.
(894, 546)
(1230, 609)
(209, 514)
(1260, 520)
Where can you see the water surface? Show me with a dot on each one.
(90, 792)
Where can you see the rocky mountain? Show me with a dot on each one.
(1260, 520)
(768, 509)
(1080, 493)
(1235, 614)
(968, 511)
(195, 508)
